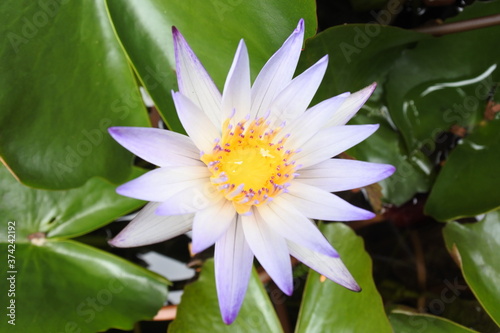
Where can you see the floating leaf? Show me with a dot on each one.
(327, 306)
(468, 183)
(83, 289)
(476, 247)
(64, 81)
(199, 308)
(408, 322)
(212, 28)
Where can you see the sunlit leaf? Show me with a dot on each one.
(212, 28)
(328, 307)
(476, 246)
(199, 308)
(64, 81)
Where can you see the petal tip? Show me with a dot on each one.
(114, 131)
(390, 170)
(300, 26)
(229, 317)
(115, 242)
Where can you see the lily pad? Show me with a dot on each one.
(64, 81)
(408, 322)
(199, 309)
(83, 289)
(444, 81)
(413, 174)
(468, 183)
(476, 246)
(360, 54)
(327, 306)
(66, 214)
(212, 28)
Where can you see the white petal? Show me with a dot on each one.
(157, 146)
(194, 81)
(293, 225)
(332, 141)
(160, 184)
(303, 128)
(149, 228)
(236, 95)
(270, 249)
(318, 204)
(195, 122)
(340, 174)
(190, 200)
(233, 265)
(211, 223)
(296, 97)
(333, 268)
(351, 106)
(277, 72)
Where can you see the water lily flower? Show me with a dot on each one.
(255, 169)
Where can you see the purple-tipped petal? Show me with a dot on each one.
(195, 122)
(339, 174)
(332, 141)
(157, 146)
(318, 204)
(160, 184)
(211, 223)
(333, 268)
(296, 97)
(233, 265)
(194, 81)
(271, 250)
(236, 95)
(303, 128)
(351, 106)
(277, 72)
(287, 221)
(148, 228)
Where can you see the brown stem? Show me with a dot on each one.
(450, 28)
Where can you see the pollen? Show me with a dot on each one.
(250, 164)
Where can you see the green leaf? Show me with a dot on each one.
(476, 247)
(64, 81)
(212, 28)
(408, 322)
(360, 54)
(326, 306)
(444, 81)
(64, 214)
(199, 308)
(468, 183)
(385, 146)
(62, 285)
(65, 286)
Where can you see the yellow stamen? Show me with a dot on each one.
(250, 165)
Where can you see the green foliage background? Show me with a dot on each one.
(71, 69)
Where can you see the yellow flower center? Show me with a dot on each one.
(249, 165)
